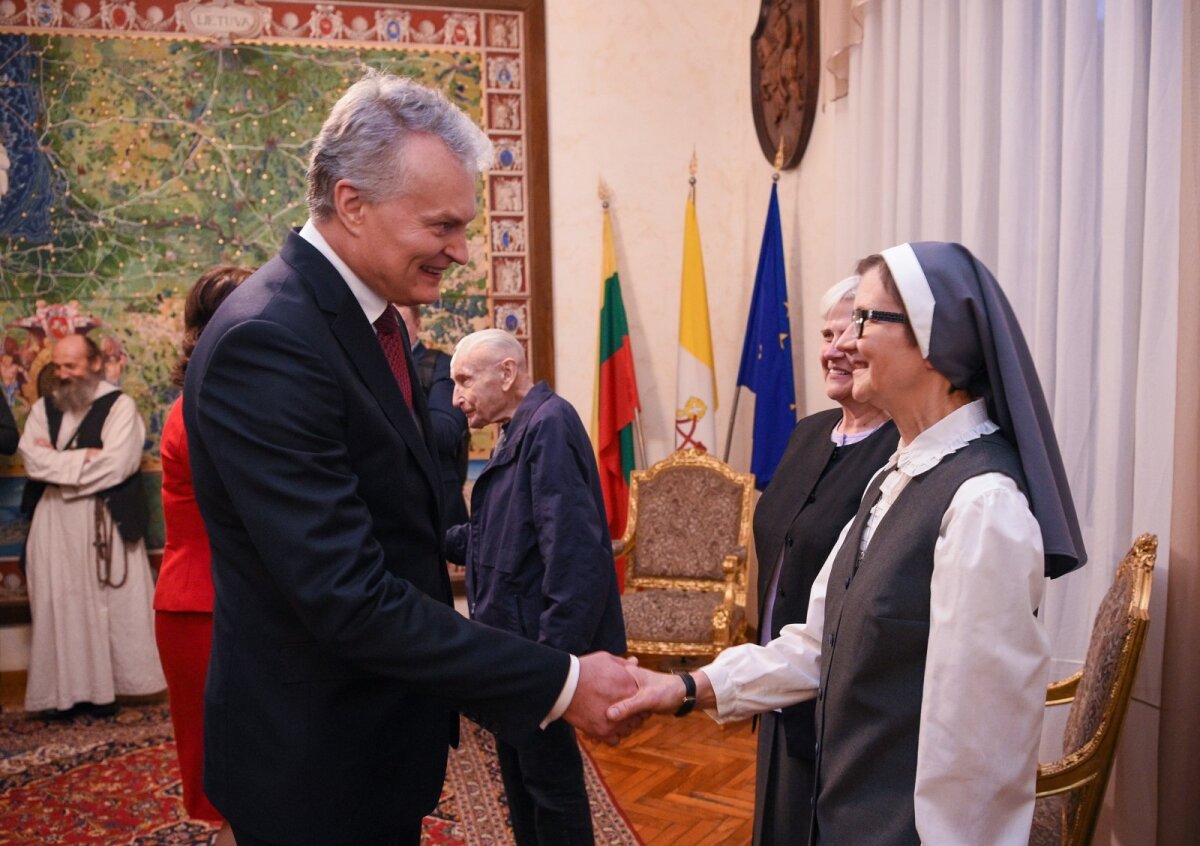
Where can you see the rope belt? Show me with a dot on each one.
(104, 546)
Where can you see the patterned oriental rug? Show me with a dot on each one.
(113, 781)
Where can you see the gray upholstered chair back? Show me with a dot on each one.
(1071, 789)
(686, 551)
(1094, 692)
(688, 521)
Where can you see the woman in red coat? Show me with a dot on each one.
(183, 597)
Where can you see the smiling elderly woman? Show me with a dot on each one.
(830, 457)
(922, 644)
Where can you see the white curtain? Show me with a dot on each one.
(1045, 136)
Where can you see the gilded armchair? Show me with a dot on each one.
(1071, 789)
(686, 547)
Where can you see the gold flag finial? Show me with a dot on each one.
(779, 157)
(604, 193)
(693, 166)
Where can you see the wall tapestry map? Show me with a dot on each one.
(141, 144)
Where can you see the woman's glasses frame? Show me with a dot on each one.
(860, 317)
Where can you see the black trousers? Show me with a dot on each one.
(546, 792)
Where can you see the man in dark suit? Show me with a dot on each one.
(539, 562)
(337, 659)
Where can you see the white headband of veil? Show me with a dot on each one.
(966, 329)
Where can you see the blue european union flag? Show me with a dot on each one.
(766, 367)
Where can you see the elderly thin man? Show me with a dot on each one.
(90, 586)
(338, 662)
(539, 562)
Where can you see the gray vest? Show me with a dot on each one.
(873, 656)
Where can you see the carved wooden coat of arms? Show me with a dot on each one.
(784, 76)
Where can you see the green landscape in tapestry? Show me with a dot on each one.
(133, 165)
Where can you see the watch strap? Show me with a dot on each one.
(689, 694)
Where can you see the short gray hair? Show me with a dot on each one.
(843, 290)
(363, 139)
(499, 343)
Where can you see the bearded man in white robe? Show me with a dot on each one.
(90, 590)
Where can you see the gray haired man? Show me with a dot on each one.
(338, 663)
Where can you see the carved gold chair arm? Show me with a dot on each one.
(1079, 771)
(730, 565)
(1062, 692)
(734, 563)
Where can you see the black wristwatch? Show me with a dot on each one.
(689, 694)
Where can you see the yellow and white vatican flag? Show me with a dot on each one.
(695, 381)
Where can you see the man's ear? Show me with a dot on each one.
(349, 204)
(508, 373)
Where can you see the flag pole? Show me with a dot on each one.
(693, 166)
(737, 394)
(603, 192)
(639, 440)
(639, 443)
(737, 389)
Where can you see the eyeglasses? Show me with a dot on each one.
(862, 315)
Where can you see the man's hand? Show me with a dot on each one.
(603, 680)
(660, 693)
(43, 442)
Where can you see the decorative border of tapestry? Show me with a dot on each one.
(144, 141)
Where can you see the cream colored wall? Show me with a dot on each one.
(634, 86)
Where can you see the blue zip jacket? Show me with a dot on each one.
(538, 555)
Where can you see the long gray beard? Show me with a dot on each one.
(77, 395)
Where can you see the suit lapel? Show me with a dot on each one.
(421, 411)
(357, 339)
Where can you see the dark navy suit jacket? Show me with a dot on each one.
(337, 659)
(538, 555)
(449, 433)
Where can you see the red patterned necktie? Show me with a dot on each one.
(388, 329)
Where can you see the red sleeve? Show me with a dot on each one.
(185, 580)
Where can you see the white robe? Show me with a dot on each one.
(90, 642)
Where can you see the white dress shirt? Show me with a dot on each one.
(987, 662)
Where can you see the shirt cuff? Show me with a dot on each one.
(564, 698)
(718, 678)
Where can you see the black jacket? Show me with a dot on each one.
(815, 491)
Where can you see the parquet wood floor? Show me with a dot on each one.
(684, 781)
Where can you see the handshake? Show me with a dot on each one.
(614, 696)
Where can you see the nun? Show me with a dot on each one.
(922, 644)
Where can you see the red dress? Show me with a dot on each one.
(183, 603)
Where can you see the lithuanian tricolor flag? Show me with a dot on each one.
(616, 400)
